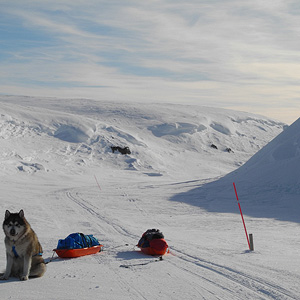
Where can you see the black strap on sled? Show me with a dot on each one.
(84, 239)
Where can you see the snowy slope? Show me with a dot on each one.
(282, 153)
(80, 132)
(53, 153)
(269, 182)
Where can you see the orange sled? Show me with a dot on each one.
(157, 247)
(71, 253)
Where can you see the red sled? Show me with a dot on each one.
(157, 247)
(72, 253)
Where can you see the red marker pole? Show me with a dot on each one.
(237, 198)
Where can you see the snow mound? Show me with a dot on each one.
(175, 129)
(30, 167)
(278, 163)
(220, 128)
(71, 134)
(268, 184)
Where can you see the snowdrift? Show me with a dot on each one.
(268, 183)
(79, 134)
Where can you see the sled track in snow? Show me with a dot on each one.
(123, 283)
(93, 210)
(263, 288)
(232, 282)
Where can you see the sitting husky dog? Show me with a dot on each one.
(23, 250)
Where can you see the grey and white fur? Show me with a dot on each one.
(23, 249)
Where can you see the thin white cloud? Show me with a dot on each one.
(215, 52)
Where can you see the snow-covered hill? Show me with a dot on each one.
(269, 182)
(162, 138)
(178, 178)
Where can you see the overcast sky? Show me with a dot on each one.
(242, 55)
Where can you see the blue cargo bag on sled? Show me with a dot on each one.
(77, 244)
(77, 241)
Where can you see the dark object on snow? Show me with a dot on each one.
(229, 150)
(123, 151)
(213, 146)
(152, 242)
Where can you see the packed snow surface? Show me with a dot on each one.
(57, 164)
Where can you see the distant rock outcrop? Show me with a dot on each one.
(123, 151)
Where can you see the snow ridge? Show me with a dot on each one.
(83, 132)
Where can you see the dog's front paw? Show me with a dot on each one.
(4, 277)
(24, 277)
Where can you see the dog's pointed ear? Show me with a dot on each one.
(7, 214)
(21, 213)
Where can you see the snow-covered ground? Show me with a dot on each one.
(54, 152)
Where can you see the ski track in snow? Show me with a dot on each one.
(256, 285)
(226, 281)
(93, 210)
(102, 222)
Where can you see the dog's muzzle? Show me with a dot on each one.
(12, 232)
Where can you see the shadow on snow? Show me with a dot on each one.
(257, 199)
